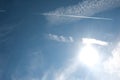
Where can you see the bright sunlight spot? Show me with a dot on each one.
(89, 56)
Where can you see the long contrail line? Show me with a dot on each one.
(77, 16)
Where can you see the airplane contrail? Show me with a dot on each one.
(76, 16)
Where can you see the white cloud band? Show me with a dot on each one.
(85, 8)
(75, 16)
(94, 41)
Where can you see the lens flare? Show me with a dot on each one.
(89, 56)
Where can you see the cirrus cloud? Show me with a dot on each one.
(85, 8)
(60, 38)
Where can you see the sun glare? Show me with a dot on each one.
(89, 56)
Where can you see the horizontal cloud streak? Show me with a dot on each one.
(94, 41)
(85, 8)
(75, 16)
(60, 38)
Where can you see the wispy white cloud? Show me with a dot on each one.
(45, 76)
(112, 65)
(94, 41)
(5, 31)
(60, 38)
(107, 70)
(64, 73)
(85, 8)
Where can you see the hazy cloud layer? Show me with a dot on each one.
(85, 8)
(108, 69)
(112, 65)
(64, 73)
(60, 38)
(30, 67)
(5, 31)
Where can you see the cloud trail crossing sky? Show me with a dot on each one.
(84, 9)
(46, 40)
(77, 16)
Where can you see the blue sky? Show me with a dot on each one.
(39, 42)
